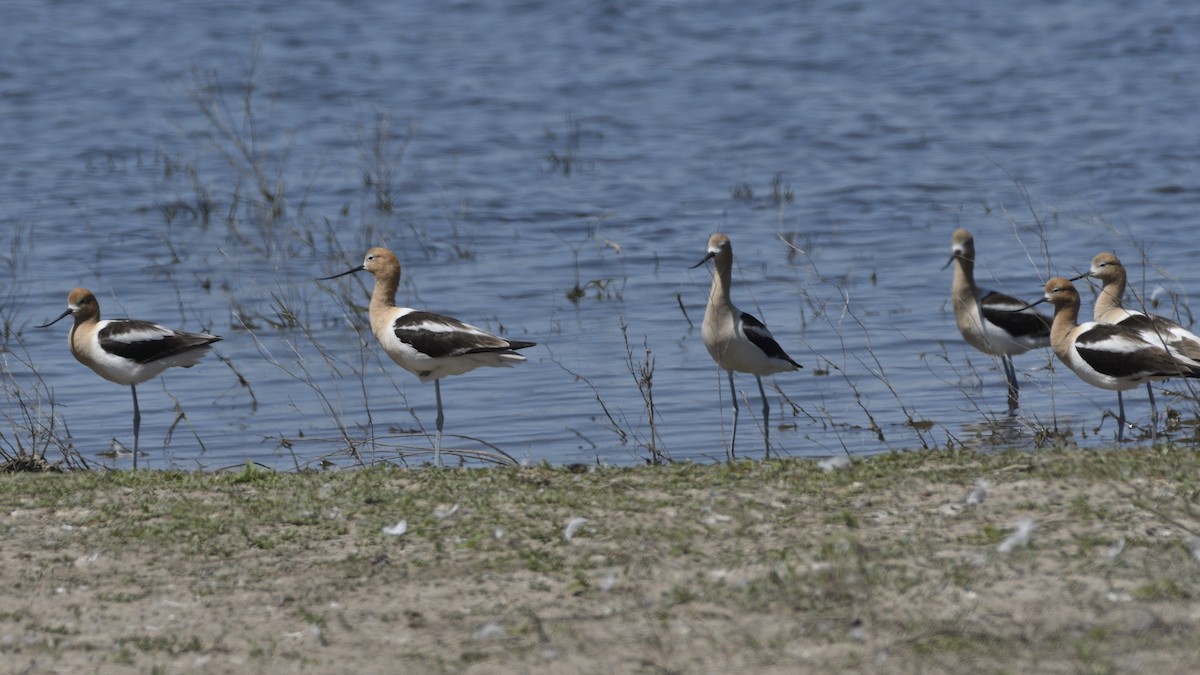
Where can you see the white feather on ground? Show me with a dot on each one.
(572, 527)
(1019, 537)
(978, 493)
(609, 580)
(398, 529)
(489, 631)
(1116, 549)
(831, 464)
(1193, 544)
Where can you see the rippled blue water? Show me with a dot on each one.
(541, 145)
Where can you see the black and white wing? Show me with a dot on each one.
(145, 342)
(756, 331)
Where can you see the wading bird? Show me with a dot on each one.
(735, 339)
(128, 351)
(1156, 329)
(993, 323)
(1112, 357)
(425, 344)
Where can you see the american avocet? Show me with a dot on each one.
(992, 322)
(1112, 357)
(1155, 329)
(735, 339)
(425, 344)
(127, 351)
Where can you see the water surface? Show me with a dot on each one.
(534, 148)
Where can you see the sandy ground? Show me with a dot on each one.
(778, 567)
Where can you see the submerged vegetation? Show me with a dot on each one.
(564, 153)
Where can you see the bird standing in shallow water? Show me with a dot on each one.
(127, 351)
(1155, 329)
(1112, 357)
(992, 322)
(735, 339)
(425, 344)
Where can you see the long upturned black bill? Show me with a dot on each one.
(60, 318)
(1029, 306)
(356, 269)
(708, 257)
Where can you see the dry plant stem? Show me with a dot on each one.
(306, 378)
(245, 384)
(180, 416)
(239, 142)
(615, 426)
(381, 157)
(643, 377)
(32, 423)
(683, 310)
(877, 372)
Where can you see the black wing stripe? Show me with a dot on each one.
(1120, 365)
(997, 310)
(756, 331)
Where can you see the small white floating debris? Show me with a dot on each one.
(1116, 549)
(978, 493)
(489, 631)
(397, 529)
(498, 533)
(573, 527)
(831, 464)
(1019, 537)
(442, 511)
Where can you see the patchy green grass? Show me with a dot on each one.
(772, 566)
